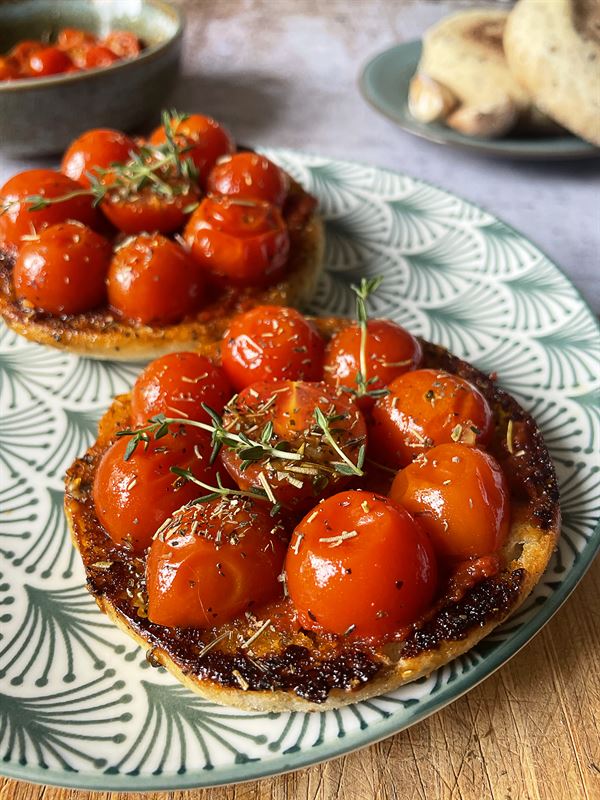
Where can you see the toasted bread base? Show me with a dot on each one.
(100, 334)
(355, 671)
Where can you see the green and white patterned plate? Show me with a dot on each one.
(79, 705)
(384, 83)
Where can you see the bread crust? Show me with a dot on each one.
(553, 50)
(99, 334)
(310, 672)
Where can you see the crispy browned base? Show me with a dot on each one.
(307, 671)
(99, 334)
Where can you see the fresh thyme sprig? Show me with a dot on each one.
(368, 286)
(218, 491)
(163, 168)
(345, 466)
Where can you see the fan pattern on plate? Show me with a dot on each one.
(79, 704)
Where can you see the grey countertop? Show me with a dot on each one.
(284, 73)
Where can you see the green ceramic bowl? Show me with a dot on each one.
(40, 116)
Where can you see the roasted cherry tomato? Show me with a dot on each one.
(390, 350)
(18, 219)
(215, 560)
(9, 69)
(238, 242)
(152, 280)
(272, 343)
(133, 498)
(74, 37)
(48, 61)
(147, 210)
(100, 147)
(360, 565)
(284, 412)
(64, 270)
(22, 52)
(206, 139)
(123, 44)
(460, 497)
(424, 408)
(176, 385)
(249, 176)
(96, 55)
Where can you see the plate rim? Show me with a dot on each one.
(358, 739)
(493, 148)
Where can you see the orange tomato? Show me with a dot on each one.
(249, 176)
(133, 498)
(461, 498)
(64, 270)
(99, 147)
(47, 61)
(358, 564)
(212, 562)
(152, 280)
(424, 408)
(272, 343)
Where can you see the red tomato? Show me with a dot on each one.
(289, 407)
(249, 176)
(96, 56)
(272, 343)
(48, 61)
(359, 564)
(215, 560)
(206, 139)
(154, 281)
(19, 220)
(390, 351)
(133, 498)
(461, 498)
(100, 147)
(147, 211)
(123, 44)
(176, 385)
(22, 51)
(425, 408)
(9, 69)
(240, 243)
(64, 270)
(74, 37)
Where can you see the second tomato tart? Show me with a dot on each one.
(312, 511)
(139, 248)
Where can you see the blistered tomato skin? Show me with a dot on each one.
(213, 562)
(177, 385)
(461, 498)
(133, 498)
(64, 270)
(360, 565)
(249, 176)
(153, 281)
(19, 220)
(272, 343)
(288, 409)
(425, 408)
(98, 148)
(205, 140)
(390, 351)
(238, 243)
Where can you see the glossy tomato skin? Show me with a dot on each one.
(425, 408)
(289, 406)
(123, 44)
(9, 69)
(96, 56)
(176, 385)
(217, 559)
(99, 147)
(23, 50)
(360, 565)
(239, 245)
(461, 498)
(272, 343)
(390, 351)
(147, 211)
(73, 37)
(48, 61)
(133, 498)
(206, 139)
(153, 281)
(249, 176)
(19, 220)
(64, 270)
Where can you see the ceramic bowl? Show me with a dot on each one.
(41, 116)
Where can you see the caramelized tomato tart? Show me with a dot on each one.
(282, 565)
(175, 237)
